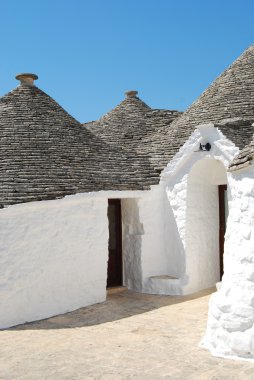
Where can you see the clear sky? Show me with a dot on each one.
(87, 53)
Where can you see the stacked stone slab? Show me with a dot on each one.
(228, 103)
(158, 134)
(244, 158)
(137, 128)
(46, 154)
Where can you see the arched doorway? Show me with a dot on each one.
(203, 223)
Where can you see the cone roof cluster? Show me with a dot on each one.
(46, 154)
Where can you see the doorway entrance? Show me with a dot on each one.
(202, 264)
(223, 215)
(115, 272)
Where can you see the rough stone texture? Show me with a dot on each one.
(244, 158)
(137, 128)
(190, 182)
(230, 327)
(46, 154)
(131, 336)
(164, 251)
(130, 122)
(228, 103)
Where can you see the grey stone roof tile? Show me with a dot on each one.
(46, 154)
(244, 158)
(137, 128)
(228, 103)
(158, 135)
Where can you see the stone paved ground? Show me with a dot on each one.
(130, 336)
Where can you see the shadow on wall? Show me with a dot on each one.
(175, 251)
(119, 305)
(131, 240)
(202, 223)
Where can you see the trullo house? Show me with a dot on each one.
(142, 198)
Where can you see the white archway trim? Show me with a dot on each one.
(175, 176)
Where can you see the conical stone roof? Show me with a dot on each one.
(46, 154)
(228, 103)
(135, 127)
(244, 158)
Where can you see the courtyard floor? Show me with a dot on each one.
(130, 336)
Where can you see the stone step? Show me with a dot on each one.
(163, 284)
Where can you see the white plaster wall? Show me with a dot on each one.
(132, 231)
(147, 225)
(154, 255)
(202, 223)
(230, 327)
(143, 239)
(54, 254)
(194, 204)
(52, 258)
(173, 244)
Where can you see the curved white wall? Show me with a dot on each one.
(202, 223)
(191, 183)
(230, 327)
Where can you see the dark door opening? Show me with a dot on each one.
(223, 214)
(114, 243)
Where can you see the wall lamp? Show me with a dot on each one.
(205, 147)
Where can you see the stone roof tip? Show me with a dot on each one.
(27, 78)
(131, 94)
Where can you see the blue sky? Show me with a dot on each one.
(87, 53)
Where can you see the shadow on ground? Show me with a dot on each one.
(119, 304)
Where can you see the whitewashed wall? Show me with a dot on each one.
(230, 327)
(144, 251)
(52, 258)
(155, 258)
(171, 233)
(202, 223)
(190, 182)
(148, 224)
(54, 254)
